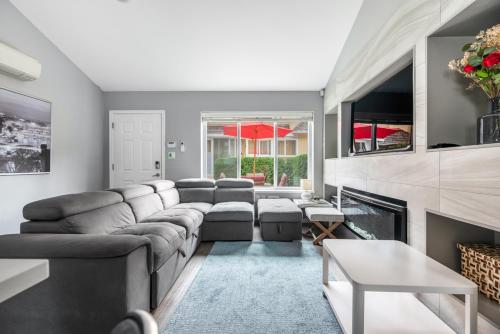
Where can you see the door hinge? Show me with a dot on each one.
(112, 166)
(113, 125)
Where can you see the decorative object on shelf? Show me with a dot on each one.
(480, 263)
(489, 125)
(481, 65)
(306, 187)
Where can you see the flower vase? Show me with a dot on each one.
(489, 125)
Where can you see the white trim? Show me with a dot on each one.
(238, 150)
(274, 152)
(112, 113)
(259, 116)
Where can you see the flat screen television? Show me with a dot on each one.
(382, 120)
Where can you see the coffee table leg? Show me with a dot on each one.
(471, 313)
(358, 310)
(325, 266)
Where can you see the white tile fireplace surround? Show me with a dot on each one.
(463, 183)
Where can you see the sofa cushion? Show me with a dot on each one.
(169, 197)
(160, 185)
(195, 183)
(188, 195)
(165, 240)
(280, 210)
(231, 211)
(133, 191)
(190, 219)
(199, 206)
(234, 183)
(234, 195)
(324, 214)
(59, 207)
(145, 206)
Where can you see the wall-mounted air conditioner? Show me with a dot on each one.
(18, 65)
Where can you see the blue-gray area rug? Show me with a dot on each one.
(256, 287)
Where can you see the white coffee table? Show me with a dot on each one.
(382, 277)
(17, 275)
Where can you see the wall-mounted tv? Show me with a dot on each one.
(25, 134)
(382, 120)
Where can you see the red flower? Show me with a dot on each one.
(492, 59)
(468, 68)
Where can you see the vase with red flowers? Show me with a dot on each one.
(481, 66)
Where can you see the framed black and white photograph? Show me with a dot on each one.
(25, 134)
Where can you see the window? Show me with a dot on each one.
(272, 150)
(287, 147)
(369, 137)
(264, 147)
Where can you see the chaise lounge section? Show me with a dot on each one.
(231, 218)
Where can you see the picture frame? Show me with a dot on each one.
(25, 133)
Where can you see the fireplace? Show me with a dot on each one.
(373, 217)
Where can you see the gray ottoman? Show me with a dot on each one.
(280, 219)
(228, 221)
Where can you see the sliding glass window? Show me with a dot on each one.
(273, 150)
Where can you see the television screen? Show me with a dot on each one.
(383, 119)
(25, 134)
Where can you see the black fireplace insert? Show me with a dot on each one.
(374, 217)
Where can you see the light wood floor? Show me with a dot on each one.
(183, 282)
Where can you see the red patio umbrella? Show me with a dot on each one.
(364, 131)
(255, 131)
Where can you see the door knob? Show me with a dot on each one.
(156, 175)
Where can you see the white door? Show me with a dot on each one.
(136, 146)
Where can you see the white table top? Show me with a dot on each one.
(17, 275)
(386, 265)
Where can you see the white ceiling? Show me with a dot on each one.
(198, 45)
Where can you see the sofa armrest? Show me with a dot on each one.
(94, 281)
(76, 246)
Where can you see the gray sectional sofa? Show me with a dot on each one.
(117, 250)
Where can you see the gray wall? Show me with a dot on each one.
(452, 111)
(183, 118)
(77, 122)
(331, 135)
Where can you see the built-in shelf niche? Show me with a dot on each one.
(331, 134)
(442, 235)
(452, 111)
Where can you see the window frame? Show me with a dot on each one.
(309, 120)
(284, 141)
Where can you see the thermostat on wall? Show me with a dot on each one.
(172, 144)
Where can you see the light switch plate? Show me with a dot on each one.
(170, 155)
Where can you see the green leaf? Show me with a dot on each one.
(489, 50)
(475, 61)
(496, 78)
(466, 47)
(482, 74)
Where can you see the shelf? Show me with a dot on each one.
(385, 312)
(467, 147)
(452, 110)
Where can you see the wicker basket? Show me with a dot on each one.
(481, 264)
